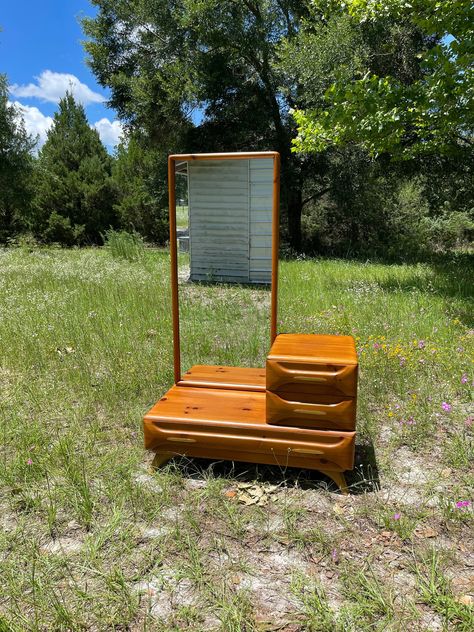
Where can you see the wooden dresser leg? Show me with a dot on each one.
(339, 479)
(160, 459)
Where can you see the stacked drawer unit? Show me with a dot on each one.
(311, 382)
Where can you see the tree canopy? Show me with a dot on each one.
(382, 111)
(347, 85)
(139, 175)
(242, 66)
(202, 75)
(75, 195)
(16, 165)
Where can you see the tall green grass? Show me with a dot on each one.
(85, 350)
(124, 245)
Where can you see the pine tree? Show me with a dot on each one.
(16, 164)
(75, 194)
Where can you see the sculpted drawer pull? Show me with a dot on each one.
(181, 440)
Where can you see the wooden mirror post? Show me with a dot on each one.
(172, 160)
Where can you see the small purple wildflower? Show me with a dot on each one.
(462, 503)
(397, 516)
(376, 345)
(460, 349)
(464, 378)
(421, 344)
(446, 407)
(469, 421)
(29, 462)
(403, 361)
(335, 556)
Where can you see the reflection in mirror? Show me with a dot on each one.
(225, 216)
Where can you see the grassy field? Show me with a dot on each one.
(182, 216)
(90, 539)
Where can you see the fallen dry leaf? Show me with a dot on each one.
(252, 494)
(246, 499)
(425, 532)
(466, 600)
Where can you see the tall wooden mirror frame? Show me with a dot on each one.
(174, 238)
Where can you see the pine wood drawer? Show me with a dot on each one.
(322, 364)
(319, 378)
(311, 411)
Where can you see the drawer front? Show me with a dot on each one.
(317, 378)
(333, 450)
(324, 412)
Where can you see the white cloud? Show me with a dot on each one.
(109, 131)
(52, 86)
(36, 123)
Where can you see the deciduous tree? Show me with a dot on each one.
(166, 61)
(139, 175)
(429, 114)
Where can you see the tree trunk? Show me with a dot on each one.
(291, 194)
(295, 208)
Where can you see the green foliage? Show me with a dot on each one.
(16, 164)
(163, 60)
(322, 53)
(124, 245)
(245, 65)
(74, 191)
(369, 206)
(373, 213)
(139, 175)
(59, 230)
(385, 113)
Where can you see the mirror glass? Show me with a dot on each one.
(224, 226)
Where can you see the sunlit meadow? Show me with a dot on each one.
(90, 538)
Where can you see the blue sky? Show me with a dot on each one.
(42, 55)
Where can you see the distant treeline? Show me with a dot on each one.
(369, 104)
